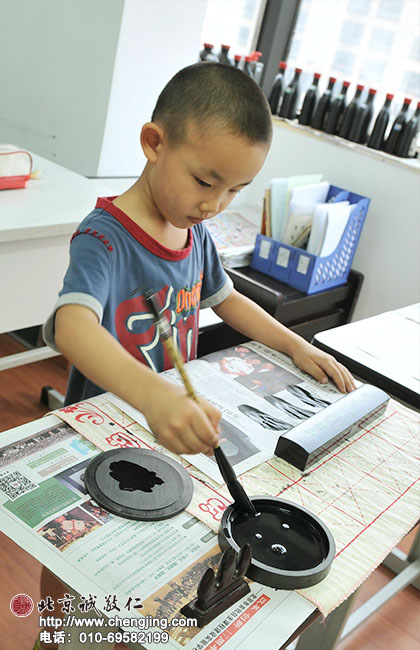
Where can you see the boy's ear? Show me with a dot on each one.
(151, 139)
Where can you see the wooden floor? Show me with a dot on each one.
(395, 627)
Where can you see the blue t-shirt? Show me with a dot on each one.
(113, 261)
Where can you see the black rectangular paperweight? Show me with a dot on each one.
(311, 440)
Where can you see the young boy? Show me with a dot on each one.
(209, 135)
(208, 138)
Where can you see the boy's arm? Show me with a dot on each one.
(178, 423)
(250, 319)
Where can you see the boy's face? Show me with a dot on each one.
(198, 178)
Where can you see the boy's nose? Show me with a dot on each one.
(208, 207)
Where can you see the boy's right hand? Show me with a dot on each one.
(179, 423)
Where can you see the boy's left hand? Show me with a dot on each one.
(321, 365)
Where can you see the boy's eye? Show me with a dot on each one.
(201, 183)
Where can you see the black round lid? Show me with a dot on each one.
(138, 484)
(291, 548)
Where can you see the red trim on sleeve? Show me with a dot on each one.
(141, 235)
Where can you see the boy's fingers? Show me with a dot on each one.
(192, 433)
(316, 371)
(348, 379)
(340, 375)
(322, 369)
(188, 443)
(206, 432)
(213, 414)
(336, 375)
(215, 420)
(200, 435)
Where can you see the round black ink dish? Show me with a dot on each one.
(138, 484)
(291, 547)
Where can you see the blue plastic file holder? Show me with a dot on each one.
(307, 272)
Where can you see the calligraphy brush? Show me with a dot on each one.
(236, 490)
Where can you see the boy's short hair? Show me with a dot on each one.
(214, 92)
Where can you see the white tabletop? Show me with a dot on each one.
(53, 205)
(36, 224)
(388, 344)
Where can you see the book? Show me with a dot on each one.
(280, 195)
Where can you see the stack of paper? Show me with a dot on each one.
(329, 223)
(301, 207)
(277, 200)
(234, 237)
(296, 213)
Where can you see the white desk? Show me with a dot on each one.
(36, 224)
(383, 350)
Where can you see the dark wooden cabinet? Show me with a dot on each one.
(304, 314)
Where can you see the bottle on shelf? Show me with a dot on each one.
(207, 53)
(258, 66)
(277, 88)
(336, 110)
(359, 128)
(291, 97)
(309, 103)
(349, 113)
(392, 142)
(248, 66)
(408, 134)
(376, 138)
(237, 60)
(223, 55)
(323, 105)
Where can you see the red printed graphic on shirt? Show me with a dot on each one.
(188, 298)
(137, 332)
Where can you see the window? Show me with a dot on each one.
(361, 7)
(415, 50)
(301, 20)
(343, 63)
(250, 8)
(390, 9)
(411, 83)
(294, 50)
(381, 40)
(243, 36)
(351, 32)
(233, 22)
(373, 42)
(372, 72)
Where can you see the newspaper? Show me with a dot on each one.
(261, 395)
(365, 488)
(234, 237)
(140, 572)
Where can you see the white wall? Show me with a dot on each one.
(388, 250)
(79, 77)
(55, 78)
(158, 38)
